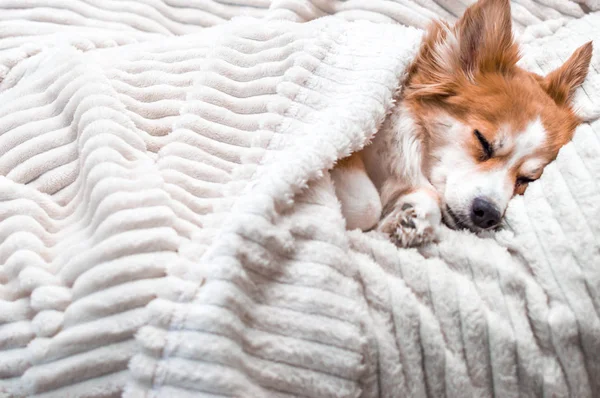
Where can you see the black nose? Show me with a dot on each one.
(484, 214)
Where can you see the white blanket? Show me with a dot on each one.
(168, 228)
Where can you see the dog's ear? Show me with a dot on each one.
(485, 38)
(561, 83)
(480, 41)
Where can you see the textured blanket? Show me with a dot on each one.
(168, 226)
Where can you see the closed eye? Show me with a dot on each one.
(488, 151)
(524, 180)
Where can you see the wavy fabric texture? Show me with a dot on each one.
(168, 227)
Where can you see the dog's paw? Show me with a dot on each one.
(415, 219)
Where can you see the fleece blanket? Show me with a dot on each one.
(168, 227)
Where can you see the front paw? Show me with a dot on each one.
(414, 220)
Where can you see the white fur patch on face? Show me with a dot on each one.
(525, 143)
(503, 143)
(453, 166)
(528, 141)
(532, 167)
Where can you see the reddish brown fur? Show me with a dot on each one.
(481, 86)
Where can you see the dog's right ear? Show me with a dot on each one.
(561, 83)
(485, 39)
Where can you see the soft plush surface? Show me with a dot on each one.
(168, 227)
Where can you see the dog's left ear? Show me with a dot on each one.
(561, 83)
(481, 41)
(485, 38)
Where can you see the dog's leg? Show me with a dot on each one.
(411, 207)
(358, 196)
(411, 216)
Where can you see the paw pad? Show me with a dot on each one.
(407, 206)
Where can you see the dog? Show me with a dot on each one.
(469, 131)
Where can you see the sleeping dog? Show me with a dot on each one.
(470, 131)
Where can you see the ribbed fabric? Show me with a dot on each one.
(168, 227)
(31, 25)
(114, 22)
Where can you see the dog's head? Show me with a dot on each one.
(489, 126)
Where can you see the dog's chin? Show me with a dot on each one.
(455, 221)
